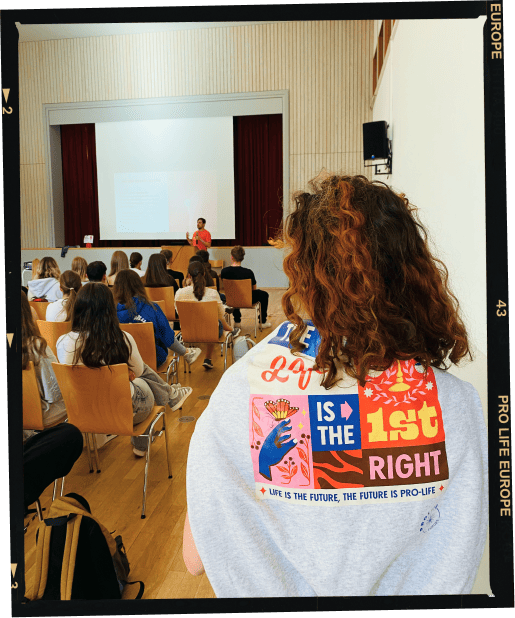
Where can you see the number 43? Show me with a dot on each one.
(500, 311)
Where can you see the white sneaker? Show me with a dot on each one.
(181, 394)
(139, 453)
(266, 325)
(236, 331)
(191, 355)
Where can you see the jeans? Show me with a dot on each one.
(149, 390)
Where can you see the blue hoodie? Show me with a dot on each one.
(144, 312)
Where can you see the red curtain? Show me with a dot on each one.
(258, 163)
(258, 171)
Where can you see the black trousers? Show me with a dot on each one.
(47, 456)
(258, 296)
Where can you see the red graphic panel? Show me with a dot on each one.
(400, 408)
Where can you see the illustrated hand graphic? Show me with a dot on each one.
(275, 447)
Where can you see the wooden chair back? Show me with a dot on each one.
(51, 331)
(97, 400)
(32, 412)
(216, 263)
(238, 293)
(199, 321)
(143, 333)
(40, 308)
(166, 294)
(161, 304)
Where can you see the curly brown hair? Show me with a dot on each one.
(360, 266)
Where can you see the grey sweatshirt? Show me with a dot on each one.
(294, 490)
(48, 288)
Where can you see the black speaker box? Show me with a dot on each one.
(375, 140)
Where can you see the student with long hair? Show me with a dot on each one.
(96, 339)
(34, 348)
(176, 274)
(80, 266)
(119, 261)
(135, 261)
(346, 456)
(46, 284)
(134, 307)
(156, 275)
(61, 310)
(198, 291)
(35, 266)
(209, 279)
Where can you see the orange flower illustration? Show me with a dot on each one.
(280, 409)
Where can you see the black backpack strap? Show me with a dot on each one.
(141, 588)
(59, 521)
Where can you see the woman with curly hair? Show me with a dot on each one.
(46, 283)
(347, 459)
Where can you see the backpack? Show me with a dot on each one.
(76, 557)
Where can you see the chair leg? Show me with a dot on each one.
(147, 463)
(97, 461)
(88, 451)
(39, 511)
(54, 493)
(168, 453)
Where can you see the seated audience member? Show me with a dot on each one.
(237, 271)
(96, 272)
(61, 310)
(119, 261)
(156, 275)
(80, 266)
(34, 348)
(209, 271)
(198, 291)
(209, 279)
(46, 284)
(176, 274)
(96, 339)
(134, 306)
(398, 481)
(136, 260)
(49, 455)
(35, 266)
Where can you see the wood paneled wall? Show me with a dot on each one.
(325, 65)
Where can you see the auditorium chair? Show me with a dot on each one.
(40, 308)
(99, 401)
(199, 324)
(238, 295)
(167, 295)
(143, 333)
(51, 331)
(33, 416)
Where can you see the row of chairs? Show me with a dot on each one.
(99, 400)
(238, 295)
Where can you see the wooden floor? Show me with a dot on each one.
(153, 544)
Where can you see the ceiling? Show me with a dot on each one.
(48, 32)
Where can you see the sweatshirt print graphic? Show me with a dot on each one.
(384, 442)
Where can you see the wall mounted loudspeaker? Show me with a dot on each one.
(375, 140)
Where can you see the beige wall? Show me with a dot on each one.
(324, 65)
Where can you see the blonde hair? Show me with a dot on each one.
(48, 268)
(79, 266)
(35, 266)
